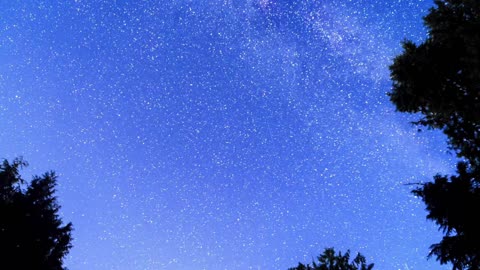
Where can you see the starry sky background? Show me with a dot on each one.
(220, 134)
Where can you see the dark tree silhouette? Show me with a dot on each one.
(440, 80)
(453, 203)
(329, 261)
(31, 232)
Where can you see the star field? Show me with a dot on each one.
(220, 134)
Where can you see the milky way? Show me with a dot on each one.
(222, 134)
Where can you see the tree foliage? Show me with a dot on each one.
(32, 235)
(329, 261)
(453, 203)
(439, 80)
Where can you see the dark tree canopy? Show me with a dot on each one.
(440, 80)
(453, 203)
(31, 232)
(329, 261)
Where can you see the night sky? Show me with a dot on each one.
(220, 134)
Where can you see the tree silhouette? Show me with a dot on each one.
(329, 261)
(31, 232)
(453, 203)
(440, 80)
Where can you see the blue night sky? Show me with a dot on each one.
(220, 134)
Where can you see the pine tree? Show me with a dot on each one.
(32, 235)
(329, 261)
(440, 80)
